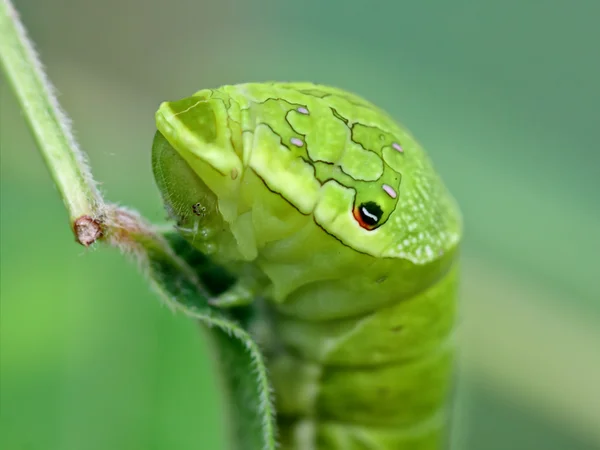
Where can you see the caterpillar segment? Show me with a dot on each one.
(330, 211)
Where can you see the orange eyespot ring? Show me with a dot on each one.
(368, 215)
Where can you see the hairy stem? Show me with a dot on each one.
(51, 128)
(91, 217)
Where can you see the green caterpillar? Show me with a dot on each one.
(324, 206)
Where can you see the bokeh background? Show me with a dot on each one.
(505, 97)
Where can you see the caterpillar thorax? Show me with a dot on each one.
(300, 174)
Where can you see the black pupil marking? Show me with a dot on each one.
(370, 213)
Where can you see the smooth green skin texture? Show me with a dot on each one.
(268, 180)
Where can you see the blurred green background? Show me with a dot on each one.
(505, 97)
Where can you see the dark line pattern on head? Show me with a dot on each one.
(300, 147)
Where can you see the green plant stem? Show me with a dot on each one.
(50, 126)
(91, 217)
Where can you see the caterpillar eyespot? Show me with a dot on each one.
(368, 215)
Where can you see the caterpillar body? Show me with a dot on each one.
(325, 207)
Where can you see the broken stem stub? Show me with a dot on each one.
(87, 230)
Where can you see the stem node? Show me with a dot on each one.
(87, 230)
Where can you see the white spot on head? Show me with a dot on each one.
(397, 147)
(297, 142)
(303, 110)
(389, 190)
